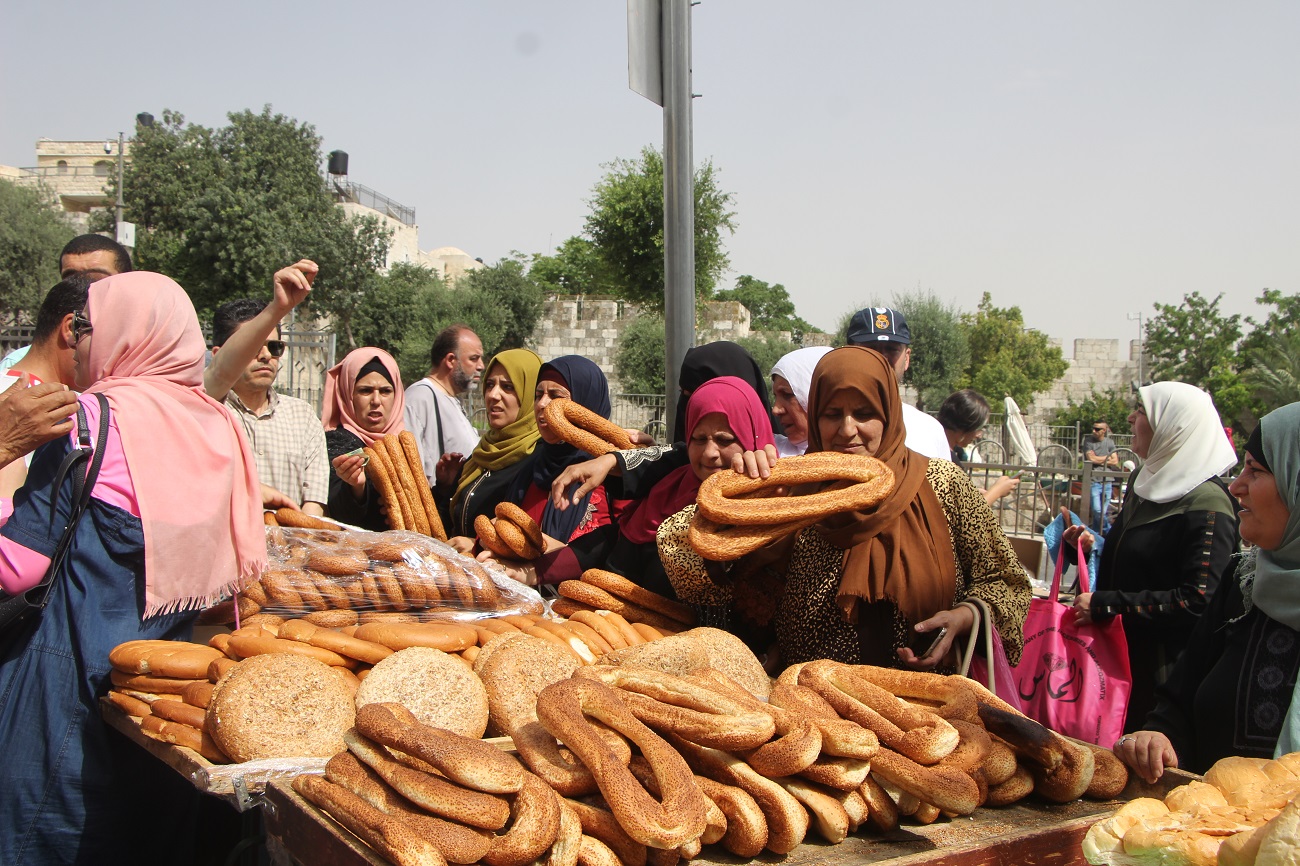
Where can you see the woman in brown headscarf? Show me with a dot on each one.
(876, 587)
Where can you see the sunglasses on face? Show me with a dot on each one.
(1098, 429)
(275, 348)
(80, 326)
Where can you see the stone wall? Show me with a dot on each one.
(573, 325)
(1096, 365)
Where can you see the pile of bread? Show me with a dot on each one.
(395, 576)
(288, 686)
(661, 748)
(1245, 813)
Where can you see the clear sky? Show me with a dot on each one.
(1080, 160)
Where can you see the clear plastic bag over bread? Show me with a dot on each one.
(397, 575)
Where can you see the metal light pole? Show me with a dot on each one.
(1142, 344)
(117, 209)
(679, 196)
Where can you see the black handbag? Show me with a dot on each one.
(17, 611)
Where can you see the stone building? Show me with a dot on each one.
(74, 173)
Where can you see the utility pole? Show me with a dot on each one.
(659, 68)
(1142, 344)
(117, 209)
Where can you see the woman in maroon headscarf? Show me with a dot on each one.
(723, 419)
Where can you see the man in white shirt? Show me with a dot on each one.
(433, 412)
(885, 331)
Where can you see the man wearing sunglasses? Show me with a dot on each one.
(1099, 450)
(284, 433)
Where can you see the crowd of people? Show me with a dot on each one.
(881, 586)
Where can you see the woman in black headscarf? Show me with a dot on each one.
(632, 474)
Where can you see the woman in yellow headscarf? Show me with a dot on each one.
(486, 477)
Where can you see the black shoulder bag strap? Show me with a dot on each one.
(437, 415)
(82, 485)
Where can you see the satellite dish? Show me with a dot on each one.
(1021, 444)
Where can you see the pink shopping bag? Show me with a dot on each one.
(1075, 679)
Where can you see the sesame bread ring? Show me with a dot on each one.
(389, 836)
(487, 536)
(723, 543)
(516, 515)
(302, 520)
(254, 593)
(629, 630)
(534, 826)
(423, 493)
(948, 695)
(268, 519)
(516, 541)
(564, 709)
(701, 713)
(1109, 777)
(464, 760)
(378, 475)
(601, 824)
(787, 820)
(607, 630)
(736, 499)
(337, 562)
(391, 588)
(325, 638)
(458, 843)
(882, 811)
(596, 597)
(1017, 787)
(374, 598)
(915, 732)
(279, 586)
(414, 514)
(584, 429)
(949, 789)
(618, 585)
(746, 834)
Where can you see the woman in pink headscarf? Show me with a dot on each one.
(173, 523)
(364, 403)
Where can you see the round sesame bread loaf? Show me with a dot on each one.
(515, 674)
(280, 705)
(730, 655)
(438, 689)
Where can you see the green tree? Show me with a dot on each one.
(640, 362)
(1005, 357)
(32, 232)
(626, 224)
(500, 302)
(940, 347)
(1195, 343)
(769, 305)
(576, 268)
(220, 210)
(1112, 406)
(401, 315)
(1273, 374)
(1282, 320)
(766, 349)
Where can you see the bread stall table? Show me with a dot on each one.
(239, 785)
(1026, 834)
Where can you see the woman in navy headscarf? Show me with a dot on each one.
(579, 379)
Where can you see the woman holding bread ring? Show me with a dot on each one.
(875, 587)
(1229, 692)
(364, 403)
(173, 523)
(579, 379)
(509, 386)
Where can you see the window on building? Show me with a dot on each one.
(63, 166)
(102, 168)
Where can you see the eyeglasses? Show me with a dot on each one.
(275, 348)
(1098, 429)
(80, 326)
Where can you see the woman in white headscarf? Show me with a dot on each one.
(1229, 692)
(791, 378)
(1174, 537)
